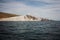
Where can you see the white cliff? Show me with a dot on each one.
(22, 18)
(14, 17)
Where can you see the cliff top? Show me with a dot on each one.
(6, 15)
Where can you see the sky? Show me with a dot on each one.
(49, 9)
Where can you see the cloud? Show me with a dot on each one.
(43, 8)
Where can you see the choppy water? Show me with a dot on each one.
(24, 30)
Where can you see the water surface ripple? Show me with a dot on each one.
(30, 30)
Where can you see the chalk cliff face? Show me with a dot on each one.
(23, 18)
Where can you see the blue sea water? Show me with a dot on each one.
(30, 30)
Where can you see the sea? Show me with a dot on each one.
(29, 30)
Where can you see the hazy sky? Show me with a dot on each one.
(42, 8)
